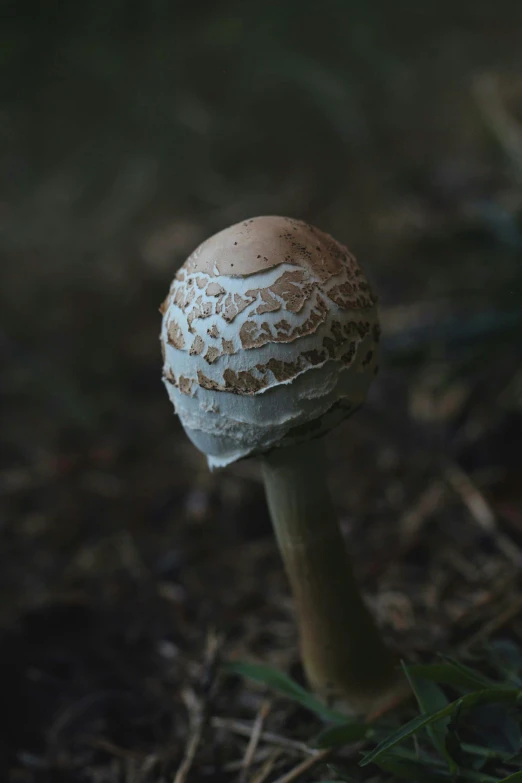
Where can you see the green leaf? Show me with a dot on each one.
(431, 698)
(341, 774)
(420, 773)
(477, 777)
(436, 765)
(411, 770)
(481, 681)
(410, 728)
(496, 727)
(516, 777)
(485, 753)
(428, 764)
(285, 685)
(506, 657)
(448, 673)
(486, 696)
(337, 736)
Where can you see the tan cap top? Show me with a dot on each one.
(261, 243)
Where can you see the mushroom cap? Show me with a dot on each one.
(269, 336)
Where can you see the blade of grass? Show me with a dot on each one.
(337, 736)
(285, 685)
(506, 657)
(476, 776)
(485, 753)
(486, 696)
(466, 671)
(431, 698)
(419, 756)
(416, 771)
(447, 673)
(411, 770)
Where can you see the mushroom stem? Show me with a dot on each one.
(344, 657)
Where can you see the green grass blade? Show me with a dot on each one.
(430, 699)
(486, 696)
(337, 736)
(411, 770)
(450, 673)
(285, 685)
(476, 777)
(466, 671)
(485, 753)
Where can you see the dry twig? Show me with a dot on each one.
(261, 756)
(412, 521)
(198, 707)
(494, 624)
(257, 728)
(245, 730)
(481, 511)
(267, 767)
(196, 710)
(115, 750)
(306, 765)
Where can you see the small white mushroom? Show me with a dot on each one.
(270, 335)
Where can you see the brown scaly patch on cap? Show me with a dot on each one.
(293, 290)
(214, 289)
(254, 334)
(240, 382)
(246, 382)
(185, 385)
(169, 376)
(212, 354)
(197, 346)
(227, 346)
(175, 335)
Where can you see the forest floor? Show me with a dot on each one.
(129, 573)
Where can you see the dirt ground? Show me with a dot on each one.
(127, 569)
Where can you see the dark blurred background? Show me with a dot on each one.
(130, 131)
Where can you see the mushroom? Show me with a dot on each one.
(270, 334)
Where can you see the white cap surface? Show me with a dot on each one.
(269, 335)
